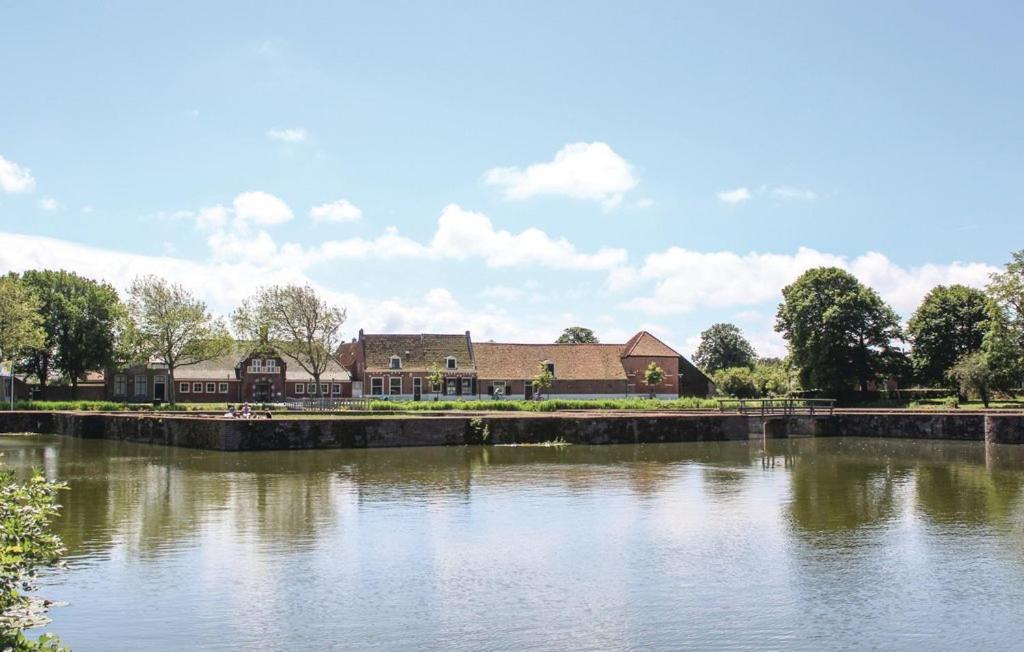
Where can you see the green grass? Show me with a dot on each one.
(115, 406)
(548, 405)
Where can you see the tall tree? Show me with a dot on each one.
(839, 331)
(296, 323)
(950, 323)
(20, 323)
(172, 327)
(80, 319)
(1004, 341)
(577, 335)
(723, 346)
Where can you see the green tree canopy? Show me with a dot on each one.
(723, 346)
(737, 382)
(577, 335)
(79, 322)
(1004, 341)
(542, 381)
(172, 327)
(20, 322)
(295, 322)
(839, 331)
(950, 323)
(972, 376)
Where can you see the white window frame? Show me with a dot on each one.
(377, 386)
(335, 389)
(451, 362)
(323, 389)
(211, 388)
(391, 386)
(467, 386)
(197, 388)
(450, 386)
(222, 388)
(142, 381)
(270, 366)
(300, 388)
(395, 362)
(256, 366)
(121, 385)
(183, 388)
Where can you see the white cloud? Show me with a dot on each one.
(15, 178)
(258, 207)
(293, 135)
(791, 193)
(336, 211)
(686, 280)
(734, 196)
(579, 170)
(49, 204)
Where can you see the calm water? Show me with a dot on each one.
(810, 544)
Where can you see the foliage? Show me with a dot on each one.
(768, 378)
(772, 377)
(577, 335)
(542, 381)
(79, 317)
(973, 376)
(26, 545)
(477, 432)
(950, 323)
(20, 322)
(547, 405)
(737, 382)
(723, 346)
(653, 376)
(436, 377)
(173, 327)
(295, 322)
(839, 331)
(1004, 341)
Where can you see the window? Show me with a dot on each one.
(435, 387)
(396, 362)
(197, 388)
(300, 388)
(141, 386)
(395, 385)
(257, 366)
(323, 389)
(211, 388)
(452, 384)
(223, 388)
(377, 386)
(417, 385)
(336, 389)
(450, 362)
(183, 388)
(550, 366)
(467, 386)
(271, 366)
(120, 385)
(499, 388)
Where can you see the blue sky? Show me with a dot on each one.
(515, 168)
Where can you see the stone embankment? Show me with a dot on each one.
(366, 431)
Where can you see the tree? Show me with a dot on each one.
(543, 381)
(577, 335)
(79, 321)
(436, 377)
(172, 327)
(950, 323)
(653, 376)
(737, 382)
(1004, 341)
(972, 376)
(771, 377)
(296, 323)
(27, 543)
(20, 323)
(723, 346)
(838, 330)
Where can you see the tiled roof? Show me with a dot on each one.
(645, 344)
(334, 372)
(417, 351)
(572, 361)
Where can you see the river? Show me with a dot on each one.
(809, 544)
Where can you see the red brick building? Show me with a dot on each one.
(400, 366)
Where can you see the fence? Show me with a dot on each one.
(328, 404)
(779, 406)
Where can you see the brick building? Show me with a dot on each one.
(400, 366)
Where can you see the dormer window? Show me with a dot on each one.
(396, 362)
(450, 363)
(550, 366)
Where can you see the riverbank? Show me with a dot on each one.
(448, 429)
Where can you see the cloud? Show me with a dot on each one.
(88, 210)
(591, 171)
(791, 193)
(337, 211)
(734, 196)
(294, 135)
(14, 178)
(686, 280)
(258, 207)
(48, 204)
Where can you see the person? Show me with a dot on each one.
(230, 414)
(268, 415)
(246, 411)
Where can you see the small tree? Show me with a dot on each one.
(436, 377)
(542, 381)
(20, 324)
(653, 376)
(172, 327)
(723, 346)
(737, 382)
(577, 335)
(296, 323)
(972, 376)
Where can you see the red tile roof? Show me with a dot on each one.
(572, 361)
(417, 352)
(645, 344)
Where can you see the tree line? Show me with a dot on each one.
(842, 336)
(60, 324)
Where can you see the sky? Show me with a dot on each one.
(515, 168)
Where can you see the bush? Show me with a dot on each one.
(548, 405)
(737, 382)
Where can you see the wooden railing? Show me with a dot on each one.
(328, 404)
(815, 407)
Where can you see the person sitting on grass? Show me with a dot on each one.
(246, 411)
(268, 414)
(230, 414)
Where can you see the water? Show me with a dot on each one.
(810, 544)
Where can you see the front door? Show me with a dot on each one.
(417, 388)
(261, 393)
(528, 393)
(159, 388)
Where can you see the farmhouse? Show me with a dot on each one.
(402, 367)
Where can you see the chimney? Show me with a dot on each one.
(360, 333)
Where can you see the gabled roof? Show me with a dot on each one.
(645, 344)
(572, 361)
(418, 352)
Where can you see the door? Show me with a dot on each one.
(417, 388)
(159, 388)
(528, 393)
(262, 391)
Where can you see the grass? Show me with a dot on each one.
(116, 406)
(547, 405)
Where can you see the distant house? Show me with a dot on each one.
(239, 376)
(400, 366)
